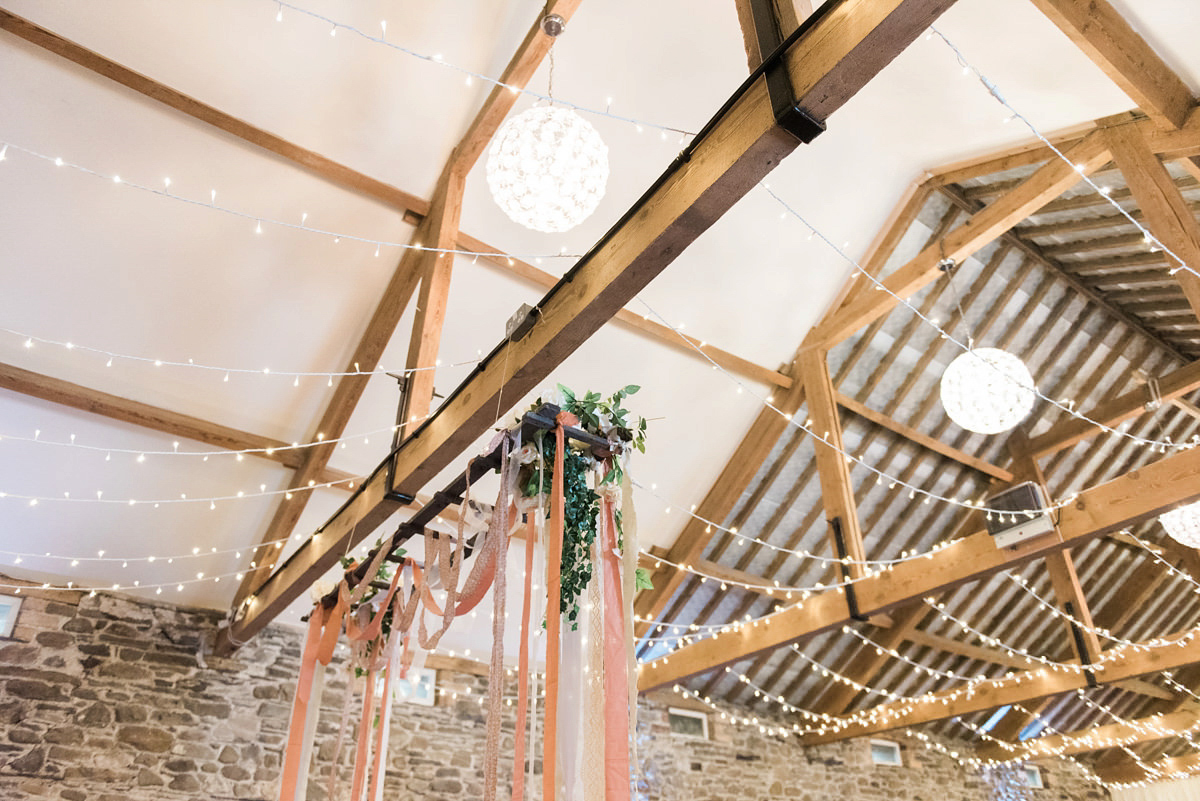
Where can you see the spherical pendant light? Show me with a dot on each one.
(547, 169)
(987, 390)
(1183, 524)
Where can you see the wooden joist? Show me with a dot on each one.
(1139, 495)
(1015, 688)
(976, 233)
(1110, 41)
(115, 407)
(1095, 738)
(1128, 772)
(1112, 413)
(840, 49)
(922, 440)
(1167, 214)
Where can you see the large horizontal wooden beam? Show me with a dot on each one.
(1137, 496)
(1047, 183)
(1095, 738)
(838, 50)
(1015, 688)
(1126, 58)
(1112, 413)
(115, 407)
(1130, 772)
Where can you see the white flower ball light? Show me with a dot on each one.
(987, 390)
(1183, 524)
(547, 169)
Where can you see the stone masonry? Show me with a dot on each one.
(108, 698)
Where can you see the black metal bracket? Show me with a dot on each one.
(788, 115)
(839, 545)
(1080, 645)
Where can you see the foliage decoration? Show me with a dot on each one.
(606, 418)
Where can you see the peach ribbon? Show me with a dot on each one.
(323, 628)
(616, 678)
(518, 786)
(553, 612)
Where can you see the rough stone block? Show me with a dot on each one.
(146, 738)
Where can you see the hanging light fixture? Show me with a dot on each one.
(547, 169)
(1183, 524)
(987, 390)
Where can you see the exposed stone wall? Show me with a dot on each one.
(108, 699)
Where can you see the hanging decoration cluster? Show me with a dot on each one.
(547, 169)
(987, 390)
(569, 489)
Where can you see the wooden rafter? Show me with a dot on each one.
(980, 230)
(1116, 504)
(1124, 56)
(837, 487)
(742, 144)
(432, 267)
(1167, 213)
(1095, 738)
(1014, 688)
(114, 407)
(1163, 769)
(868, 661)
(1111, 413)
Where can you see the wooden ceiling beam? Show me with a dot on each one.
(1112, 413)
(867, 662)
(432, 269)
(842, 47)
(1126, 58)
(1015, 688)
(1166, 211)
(837, 486)
(921, 440)
(684, 343)
(1095, 738)
(124, 410)
(1137, 496)
(786, 16)
(315, 163)
(981, 229)
(1163, 770)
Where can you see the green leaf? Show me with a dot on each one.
(641, 579)
(632, 389)
(567, 394)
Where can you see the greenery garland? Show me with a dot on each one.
(606, 418)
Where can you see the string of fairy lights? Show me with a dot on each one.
(470, 75)
(29, 341)
(880, 476)
(1163, 445)
(7, 146)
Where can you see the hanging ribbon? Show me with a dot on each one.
(629, 556)
(518, 787)
(616, 677)
(323, 627)
(553, 609)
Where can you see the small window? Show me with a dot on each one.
(419, 687)
(1033, 776)
(885, 752)
(688, 723)
(9, 607)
